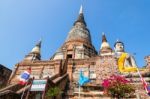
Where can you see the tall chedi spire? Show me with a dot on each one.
(80, 18)
(79, 31)
(35, 53)
(78, 43)
(105, 47)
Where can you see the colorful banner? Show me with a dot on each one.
(24, 77)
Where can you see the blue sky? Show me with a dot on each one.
(24, 22)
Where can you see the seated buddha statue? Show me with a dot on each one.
(127, 65)
(126, 62)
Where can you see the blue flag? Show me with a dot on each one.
(82, 79)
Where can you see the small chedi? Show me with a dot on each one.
(63, 68)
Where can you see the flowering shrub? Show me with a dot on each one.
(117, 86)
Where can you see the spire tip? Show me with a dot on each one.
(103, 33)
(81, 10)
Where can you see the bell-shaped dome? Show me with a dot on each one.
(105, 47)
(79, 31)
(35, 53)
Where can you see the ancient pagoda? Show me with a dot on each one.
(63, 68)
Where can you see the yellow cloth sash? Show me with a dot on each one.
(121, 66)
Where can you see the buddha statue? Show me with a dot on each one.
(126, 61)
(127, 64)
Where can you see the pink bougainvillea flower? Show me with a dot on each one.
(117, 85)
